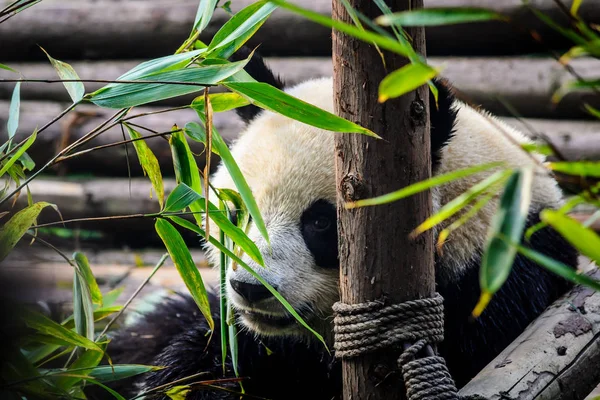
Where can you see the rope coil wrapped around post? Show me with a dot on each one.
(367, 327)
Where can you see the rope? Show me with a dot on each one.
(367, 327)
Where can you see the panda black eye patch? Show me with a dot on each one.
(318, 225)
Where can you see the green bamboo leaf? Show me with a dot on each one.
(559, 268)
(405, 79)
(543, 149)
(88, 275)
(114, 394)
(16, 227)
(179, 392)
(384, 42)
(582, 238)
(508, 224)
(83, 308)
(241, 27)
(591, 110)
(82, 366)
(186, 172)
(110, 373)
(566, 32)
(163, 64)
(185, 266)
(439, 16)
(579, 168)
(462, 201)
(111, 297)
(236, 175)
(181, 197)
(121, 95)
(273, 99)
(46, 326)
(423, 185)
(572, 86)
(575, 7)
(220, 102)
(65, 71)
(99, 314)
(149, 164)
(188, 225)
(6, 67)
(206, 8)
(186, 169)
(18, 154)
(13, 112)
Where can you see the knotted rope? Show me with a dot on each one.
(366, 327)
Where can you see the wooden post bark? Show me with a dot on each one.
(378, 260)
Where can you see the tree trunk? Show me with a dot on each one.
(378, 259)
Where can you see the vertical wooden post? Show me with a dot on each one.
(378, 259)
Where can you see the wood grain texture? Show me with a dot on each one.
(378, 260)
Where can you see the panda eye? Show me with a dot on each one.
(321, 223)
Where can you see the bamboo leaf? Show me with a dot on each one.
(83, 309)
(572, 86)
(13, 112)
(18, 154)
(273, 99)
(179, 392)
(65, 71)
(121, 95)
(582, 238)
(559, 268)
(83, 365)
(6, 67)
(186, 172)
(439, 16)
(186, 224)
(88, 275)
(579, 168)
(423, 185)
(186, 169)
(507, 225)
(149, 164)
(382, 41)
(220, 102)
(185, 266)
(462, 201)
(111, 373)
(405, 79)
(181, 197)
(16, 227)
(99, 314)
(46, 326)
(241, 27)
(237, 177)
(162, 64)
(204, 14)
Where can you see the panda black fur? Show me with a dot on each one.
(290, 170)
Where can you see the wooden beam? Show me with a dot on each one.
(556, 358)
(527, 84)
(128, 29)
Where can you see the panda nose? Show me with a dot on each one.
(250, 291)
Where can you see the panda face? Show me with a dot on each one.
(290, 168)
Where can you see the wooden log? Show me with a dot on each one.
(128, 29)
(111, 161)
(556, 358)
(292, 69)
(97, 198)
(527, 84)
(575, 139)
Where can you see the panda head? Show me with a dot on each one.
(289, 167)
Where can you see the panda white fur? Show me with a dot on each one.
(290, 169)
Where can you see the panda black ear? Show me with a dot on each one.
(257, 69)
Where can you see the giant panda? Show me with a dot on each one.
(290, 169)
